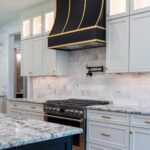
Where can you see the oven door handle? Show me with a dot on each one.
(70, 119)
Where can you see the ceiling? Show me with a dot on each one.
(10, 9)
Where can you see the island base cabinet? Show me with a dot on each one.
(56, 144)
(139, 139)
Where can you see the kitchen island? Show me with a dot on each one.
(28, 134)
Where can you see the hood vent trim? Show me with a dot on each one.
(79, 24)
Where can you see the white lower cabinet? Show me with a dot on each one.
(107, 130)
(107, 133)
(140, 132)
(23, 110)
(139, 139)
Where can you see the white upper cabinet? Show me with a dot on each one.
(49, 18)
(117, 8)
(32, 57)
(37, 25)
(26, 28)
(26, 58)
(39, 20)
(140, 43)
(37, 59)
(137, 6)
(117, 48)
(49, 61)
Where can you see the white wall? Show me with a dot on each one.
(128, 88)
(6, 58)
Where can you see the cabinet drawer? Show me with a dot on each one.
(36, 116)
(109, 117)
(108, 134)
(140, 121)
(33, 107)
(91, 146)
(19, 114)
(14, 105)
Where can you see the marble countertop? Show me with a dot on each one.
(14, 132)
(141, 110)
(36, 101)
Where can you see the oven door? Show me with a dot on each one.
(78, 140)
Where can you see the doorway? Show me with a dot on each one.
(17, 84)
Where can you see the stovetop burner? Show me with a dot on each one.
(72, 108)
(74, 103)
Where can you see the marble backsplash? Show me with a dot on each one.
(125, 88)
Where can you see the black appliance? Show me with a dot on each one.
(79, 24)
(71, 112)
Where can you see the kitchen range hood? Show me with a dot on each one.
(79, 24)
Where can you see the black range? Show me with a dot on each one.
(71, 112)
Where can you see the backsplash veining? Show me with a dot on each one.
(133, 88)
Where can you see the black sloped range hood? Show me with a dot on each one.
(79, 24)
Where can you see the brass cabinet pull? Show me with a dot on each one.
(30, 72)
(106, 117)
(147, 122)
(14, 104)
(104, 134)
(33, 107)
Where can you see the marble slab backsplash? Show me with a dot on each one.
(129, 89)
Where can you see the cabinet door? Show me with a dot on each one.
(117, 45)
(26, 61)
(49, 58)
(137, 6)
(140, 43)
(37, 47)
(139, 139)
(26, 28)
(37, 25)
(117, 8)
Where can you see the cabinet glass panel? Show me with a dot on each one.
(49, 21)
(117, 7)
(26, 28)
(139, 4)
(37, 25)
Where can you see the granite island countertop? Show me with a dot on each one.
(14, 132)
(140, 110)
